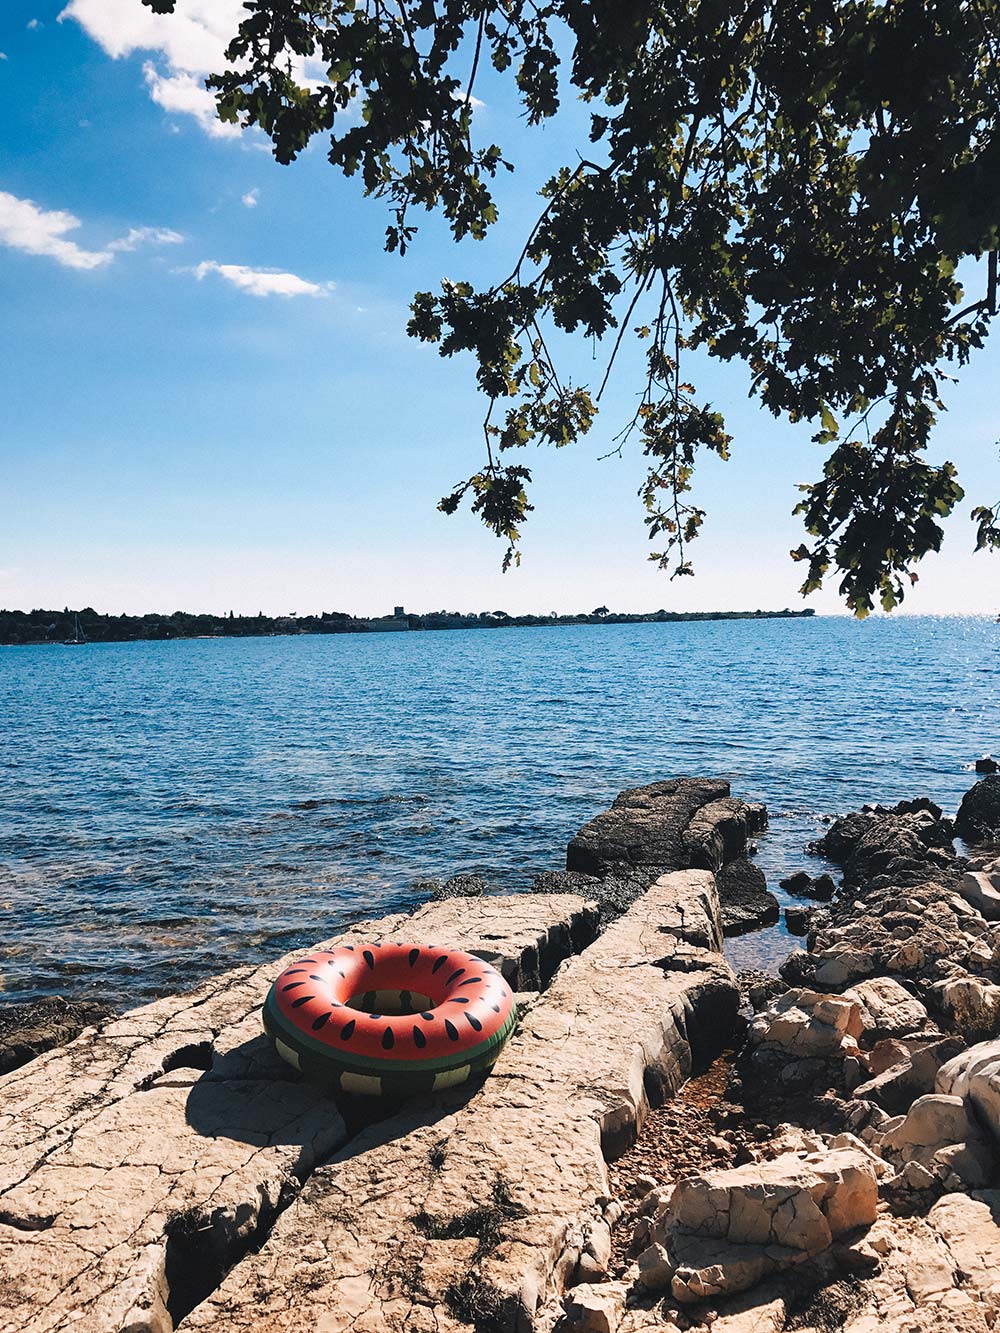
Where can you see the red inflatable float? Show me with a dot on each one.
(390, 1019)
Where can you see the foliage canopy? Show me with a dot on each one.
(789, 182)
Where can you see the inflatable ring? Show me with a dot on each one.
(390, 1019)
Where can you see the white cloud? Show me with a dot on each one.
(137, 236)
(262, 281)
(26, 226)
(187, 96)
(191, 40)
(183, 49)
(38, 231)
(474, 101)
(34, 24)
(251, 198)
(3, 55)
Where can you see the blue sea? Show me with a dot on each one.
(168, 810)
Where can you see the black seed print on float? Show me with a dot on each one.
(427, 1016)
(388, 1039)
(474, 1022)
(303, 999)
(451, 1030)
(292, 985)
(459, 972)
(412, 956)
(418, 1037)
(440, 962)
(369, 958)
(472, 981)
(459, 999)
(322, 1021)
(495, 1008)
(374, 1015)
(347, 1031)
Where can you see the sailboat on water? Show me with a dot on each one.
(78, 634)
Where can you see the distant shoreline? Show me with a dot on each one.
(33, 628)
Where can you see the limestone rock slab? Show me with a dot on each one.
(157, 1147)
(458, 1210)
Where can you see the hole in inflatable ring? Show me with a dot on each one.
(392, 1002)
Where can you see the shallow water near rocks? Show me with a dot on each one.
(169, 810)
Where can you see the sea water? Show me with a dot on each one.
(172, 809)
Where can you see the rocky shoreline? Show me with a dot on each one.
(662, 1146)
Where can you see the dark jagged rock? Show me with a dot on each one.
(987, 765)
(822, 888)
(979, 814)
(26, 1030)
(797, 882)
(901, 842)
(645, 826)
(717, 833)
(798, 968)
(744, 897)
(614, 894)
(680, 824)
(797, 919)
(803, 885)
(461, 886)
(757, 988)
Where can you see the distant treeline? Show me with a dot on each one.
(60, 626)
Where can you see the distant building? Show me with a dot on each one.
(386, 624)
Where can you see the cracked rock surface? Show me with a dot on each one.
(139, 1161)
(481, 1208)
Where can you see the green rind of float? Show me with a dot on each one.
(276, 1026)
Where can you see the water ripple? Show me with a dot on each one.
(171, 809)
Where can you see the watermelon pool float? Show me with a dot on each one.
(389, 1020)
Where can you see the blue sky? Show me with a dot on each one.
(209, 400)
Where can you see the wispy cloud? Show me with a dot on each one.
(3, 55)
(137, 236)
(27, 226)
(34, 24)
(251, 198)
(262, 281)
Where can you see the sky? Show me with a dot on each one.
(209, 401)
